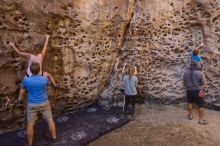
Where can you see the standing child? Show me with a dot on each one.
(130, 81)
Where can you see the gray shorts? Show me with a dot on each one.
(33, 109)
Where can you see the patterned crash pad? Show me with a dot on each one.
(73, 129)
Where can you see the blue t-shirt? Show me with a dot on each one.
(37, 89)
(130, 85)
(196, 58)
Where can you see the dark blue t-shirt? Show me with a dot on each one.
(37, 89)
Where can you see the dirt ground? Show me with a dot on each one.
(157, 125)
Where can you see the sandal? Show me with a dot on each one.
(132, 117)
(203, 122)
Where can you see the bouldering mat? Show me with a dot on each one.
(73, 128)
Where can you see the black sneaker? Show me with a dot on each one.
(28, 145)
(54, 140)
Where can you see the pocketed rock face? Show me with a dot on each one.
(91, 40)
(161, 36)
(86, 37)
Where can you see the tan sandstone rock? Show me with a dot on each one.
(92, 39)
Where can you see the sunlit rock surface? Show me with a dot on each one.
(92, 39)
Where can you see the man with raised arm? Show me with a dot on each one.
(36, 86)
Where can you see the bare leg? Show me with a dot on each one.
(201, 114)
(30, 133)
(52, 128)
(190, 109)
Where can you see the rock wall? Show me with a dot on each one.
(92, 39)
(159, 41)
(86, 37)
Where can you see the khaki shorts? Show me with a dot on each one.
(33, 109)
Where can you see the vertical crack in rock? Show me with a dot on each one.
(128, 24)
(113, 84)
